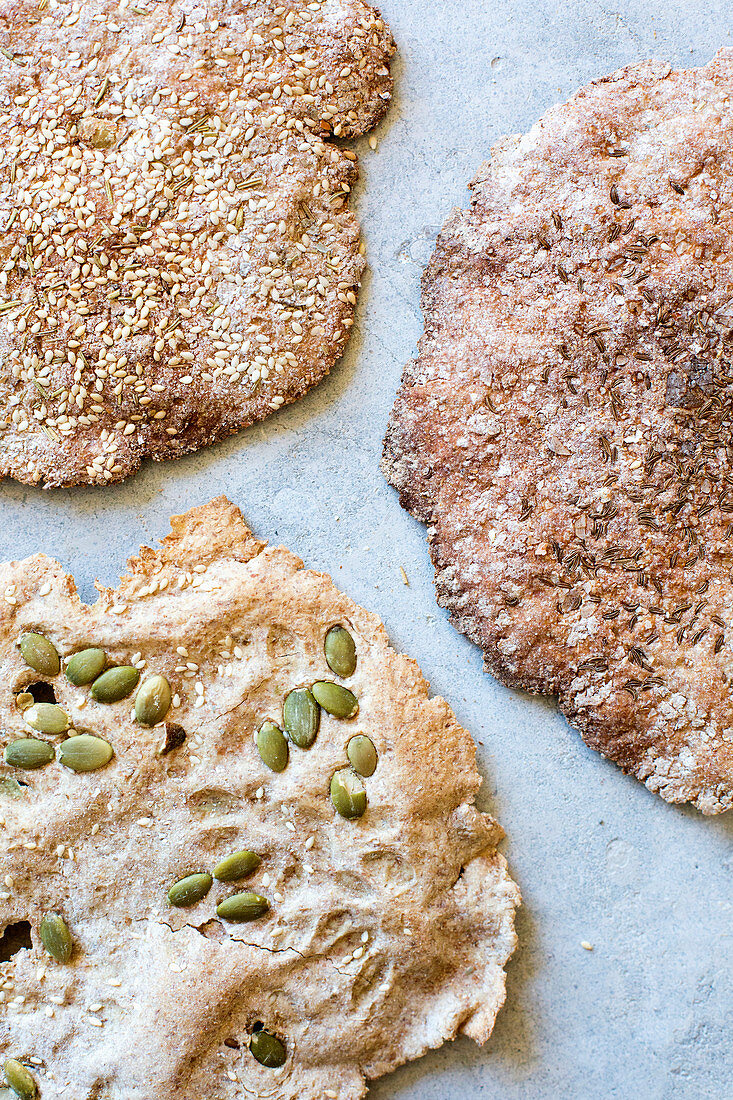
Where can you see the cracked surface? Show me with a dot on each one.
(177, 257)
(566, 429)
(386, 935)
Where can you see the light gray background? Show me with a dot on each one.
(648, 1013)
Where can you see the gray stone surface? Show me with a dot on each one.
(647, 1013)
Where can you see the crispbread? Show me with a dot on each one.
(565, 430)
(178, 256)
(386, 935)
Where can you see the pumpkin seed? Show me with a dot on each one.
(335, 699)
(85, 753)
(20, 1080)
(237, 865)
(301, 717)
(115, 684)
(267, 1049)
(40, 654)
(340, 651)
(29, 752)
(10, 788)
(362, 754)
(85, 666)
(56, 938)
(47, 718)
(190, 890)
(23, 700)
(153, 700)
(348, 794)
(241, 907)
(272, 746)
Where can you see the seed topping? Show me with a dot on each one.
(190, 890)
(243, 907)
(348, 794)
(153, 700)
(29, 753)
(56, 938)
(85, 666)
(237, 865)
(362, 755)
(46, 718)
(335, 699)
(266, 1048)
(301, 717)
(340, 651)
(272, 746)
(40, 654)
(85, 753)
(21, 1080)
(115, 684)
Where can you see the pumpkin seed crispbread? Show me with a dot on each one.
(240, 851)
(178, 255)
(565, 431)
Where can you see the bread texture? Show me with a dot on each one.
(565, 431)
(385, 935)
(178, 255)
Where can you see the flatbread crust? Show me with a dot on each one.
(386, 936)
(565, 431)
(177, 257)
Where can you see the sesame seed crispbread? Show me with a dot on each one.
(386, 935)
(178, 258)
(566, 429)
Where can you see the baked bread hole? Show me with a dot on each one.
(16, 937)
(40, 690)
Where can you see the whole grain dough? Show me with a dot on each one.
(177, 257)
(386, 935)
(565, 431)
